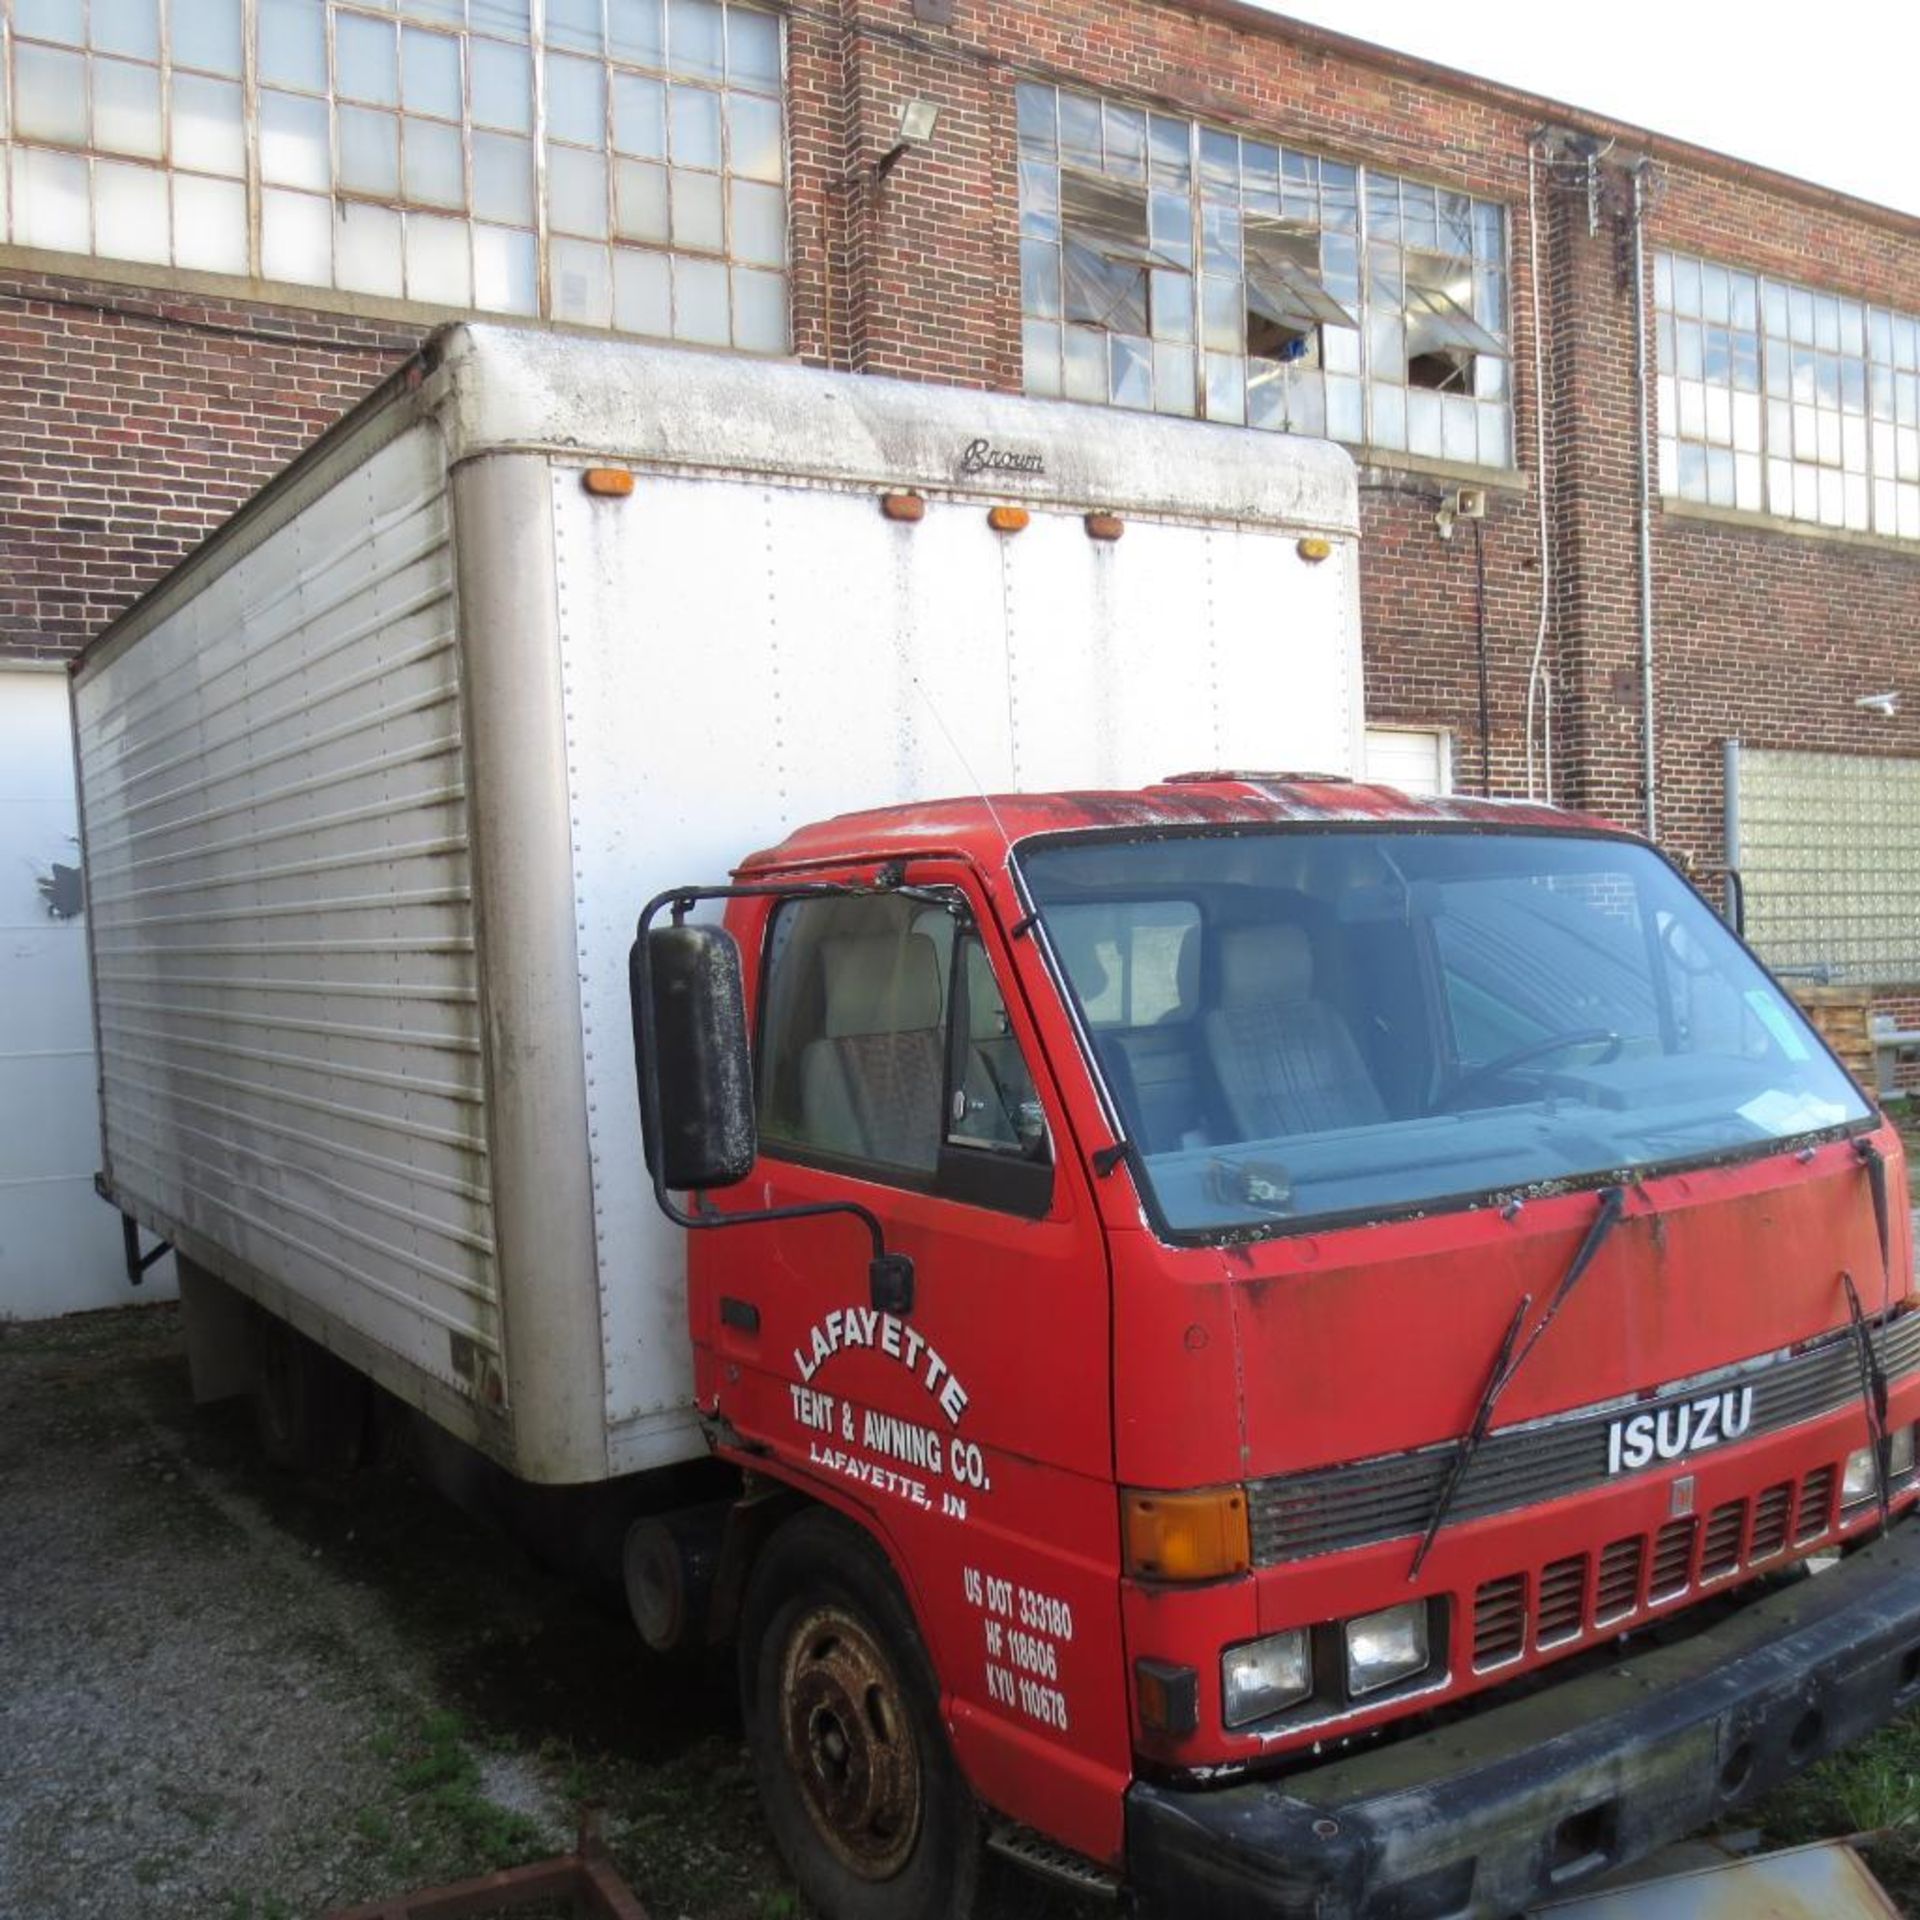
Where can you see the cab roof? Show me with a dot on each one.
(984, 826)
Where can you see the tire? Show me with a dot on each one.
(866, 1803)
(310, 1409)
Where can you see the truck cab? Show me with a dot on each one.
(1381, 1304)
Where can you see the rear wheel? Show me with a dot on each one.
(310, 1408)
(860, 1787)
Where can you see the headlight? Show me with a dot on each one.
(1259, 1677)
(1386, 1646)
(1858, 1482)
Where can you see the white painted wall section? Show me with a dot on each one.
(59, 1242)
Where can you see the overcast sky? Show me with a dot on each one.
(1826, 92)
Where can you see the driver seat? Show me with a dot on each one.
(1285, 1062)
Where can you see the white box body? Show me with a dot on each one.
(375, 783)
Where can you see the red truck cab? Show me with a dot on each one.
(1381, 1305)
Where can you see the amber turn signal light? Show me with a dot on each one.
(1007, 519)
(1186, 1536)
(608, 483)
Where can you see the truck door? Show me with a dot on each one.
(896, 1065)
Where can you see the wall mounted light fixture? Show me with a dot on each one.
(917, 118)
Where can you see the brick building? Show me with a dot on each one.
(221, 224)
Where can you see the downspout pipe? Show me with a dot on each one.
(1641, 393)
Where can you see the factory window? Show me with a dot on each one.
(623, 167)
(1775, 398)
(1182, 268)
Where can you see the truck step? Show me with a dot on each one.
(1037, 1854)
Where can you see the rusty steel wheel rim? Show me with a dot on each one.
(849, 1742)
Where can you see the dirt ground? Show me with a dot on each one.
(229, 1695)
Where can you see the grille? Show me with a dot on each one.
(1672, 1559)
(1500, 1621)
(1816, 1505)
(1770, 1513)
(1720, 1551)
(1618, 1591)
(1640, 1572)
(1563, 1600)
(1295, 1516)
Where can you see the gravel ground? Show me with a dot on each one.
(226, 1694)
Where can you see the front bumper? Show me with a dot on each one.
(1534, 1798)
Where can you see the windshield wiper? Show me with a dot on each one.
(1873, 1397)
(1507, 1363)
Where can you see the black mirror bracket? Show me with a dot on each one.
(889, 1275)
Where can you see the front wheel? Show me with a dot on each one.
(866, 1803)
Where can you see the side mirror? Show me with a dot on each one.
(698, 1120)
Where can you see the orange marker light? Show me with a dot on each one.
(903, 506)
(1313, 548)
(1105, 526)
(1007, 519)
(608, 483)
(1186, 1536)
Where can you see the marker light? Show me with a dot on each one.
(1313, 548)
(903, 506)
(1105, 526)
(1259, 1677)
(1186, 1536)
(609, 483)
(1386, 1646)
(1007, 519)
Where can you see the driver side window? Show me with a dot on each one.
(885, 1043)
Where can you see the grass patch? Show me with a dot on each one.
(440, 1815)
(1872, 1788)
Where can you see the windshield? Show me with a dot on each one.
(1303, 1024)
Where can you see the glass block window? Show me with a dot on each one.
(623, 166)
(1174, 266)
(1776, 398)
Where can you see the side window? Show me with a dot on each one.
(853, 1042)
(884, 1039)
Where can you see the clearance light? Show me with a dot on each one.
(1386, 1646)
(907, 507)
(608, 483)
(1186, 1536)
(1105, 526)
(1260, 1677)
(1007, 519)
(1313, 548)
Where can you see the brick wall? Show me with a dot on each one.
(131, 422)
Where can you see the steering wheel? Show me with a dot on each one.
(1539, 1050)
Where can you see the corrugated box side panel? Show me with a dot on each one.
(274, 796)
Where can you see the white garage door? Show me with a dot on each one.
(59, 1243)
(1414, 759)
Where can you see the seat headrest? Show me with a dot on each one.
(1262, 965)
(880, 983)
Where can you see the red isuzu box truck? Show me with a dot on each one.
(1258, 1343)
